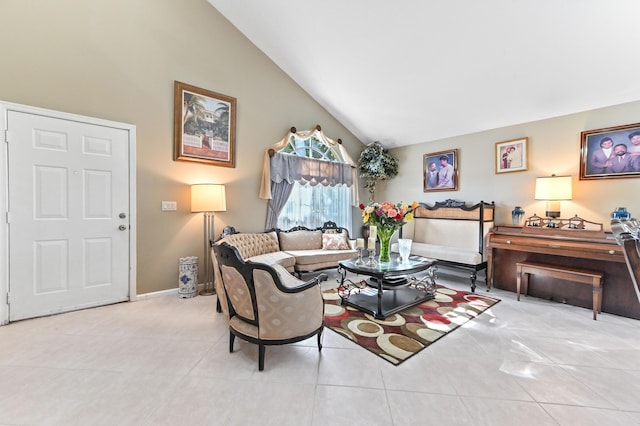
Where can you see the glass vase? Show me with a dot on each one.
(384, 234)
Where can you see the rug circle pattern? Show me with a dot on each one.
(402, 335)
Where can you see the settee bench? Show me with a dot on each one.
(452, 232)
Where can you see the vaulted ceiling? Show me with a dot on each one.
(414, 71)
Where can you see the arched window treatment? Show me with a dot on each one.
(281, 170)
(265, 184)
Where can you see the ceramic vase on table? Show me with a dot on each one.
(620, 213)
(516, 215)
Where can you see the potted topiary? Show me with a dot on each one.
(376, 164)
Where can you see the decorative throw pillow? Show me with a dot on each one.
(336, 241)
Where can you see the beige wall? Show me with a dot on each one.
(554, 147)
(117, 60)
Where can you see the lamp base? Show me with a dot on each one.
(553, 209)
(207, 292)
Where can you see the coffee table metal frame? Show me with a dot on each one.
(389, 298)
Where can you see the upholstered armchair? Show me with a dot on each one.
(266, 305)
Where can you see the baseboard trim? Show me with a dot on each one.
(152, 295)
(161, 293)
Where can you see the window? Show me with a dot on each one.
(311, 147)
(311, 204)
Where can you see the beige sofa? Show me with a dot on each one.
(451, 232)
(298, 250)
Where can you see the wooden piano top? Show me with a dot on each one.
(560, 242)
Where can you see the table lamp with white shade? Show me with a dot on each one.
(553, 189)
(208, 198)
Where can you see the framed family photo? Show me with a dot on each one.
(440, 171)
(512, 156)
(612, 152)
(204, 126)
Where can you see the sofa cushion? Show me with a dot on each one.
(281, 258)
(335, 241)
(447, 232)
(451, 254)
(301, 240)
(305, 258)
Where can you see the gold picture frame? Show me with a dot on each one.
(512, 155)
(596, 163)
(445, 166)
(204, 126)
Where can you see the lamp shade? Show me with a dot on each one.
(553, 188)
(208, 197)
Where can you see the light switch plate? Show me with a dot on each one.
(169, 206)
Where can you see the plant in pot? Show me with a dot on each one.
(375, 163)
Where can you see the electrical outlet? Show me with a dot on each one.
(169, 206)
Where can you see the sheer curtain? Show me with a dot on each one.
(316, 205)
(321, 189)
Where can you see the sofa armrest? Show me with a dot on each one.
(288, 283)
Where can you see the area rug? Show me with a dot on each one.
(400, 336)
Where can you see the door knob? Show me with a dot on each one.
(122, 227)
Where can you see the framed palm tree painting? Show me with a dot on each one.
(204, 126)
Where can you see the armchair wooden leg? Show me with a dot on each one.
(232, 338)
(320, 340)
(260, 357)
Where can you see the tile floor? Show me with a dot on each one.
(165, 361)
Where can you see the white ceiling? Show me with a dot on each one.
(413, 71)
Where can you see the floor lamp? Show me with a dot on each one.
(208, 198)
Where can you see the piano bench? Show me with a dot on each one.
(593, 278)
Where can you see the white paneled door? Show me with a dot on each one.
(68, 216)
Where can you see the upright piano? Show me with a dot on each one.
(598, 251)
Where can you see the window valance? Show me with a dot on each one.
(309, 170)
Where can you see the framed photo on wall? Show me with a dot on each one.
(204, 126)
(440, 171)
(613, 152)
(512, 156)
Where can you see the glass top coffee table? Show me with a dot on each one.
(392, 286)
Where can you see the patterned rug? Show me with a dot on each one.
(400, 336)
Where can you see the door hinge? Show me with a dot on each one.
(6, 136)
(8, 299)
